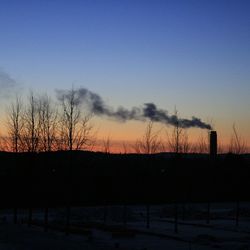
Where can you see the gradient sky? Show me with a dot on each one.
(191, 54)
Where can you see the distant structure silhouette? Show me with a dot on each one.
(213, 144)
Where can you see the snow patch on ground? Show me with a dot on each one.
(193, 231)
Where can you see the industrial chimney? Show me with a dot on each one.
(213, 144)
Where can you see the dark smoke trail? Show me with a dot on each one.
(149, 111)
(154, 114)
(7, 84)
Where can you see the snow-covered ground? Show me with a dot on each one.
(194, 233)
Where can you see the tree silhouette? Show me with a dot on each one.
(15, 124)
(237, 144)
(150, 142)
(106, 145)
(31, 131)
(75, 128)
(178, 141)
(47, 123)
(201, 146)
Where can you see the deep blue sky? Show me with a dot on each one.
(192, 53)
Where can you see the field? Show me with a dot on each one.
(197, 226)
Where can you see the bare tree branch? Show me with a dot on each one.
(237, 144)
(75, 128)
(15, 124)
(150, 142)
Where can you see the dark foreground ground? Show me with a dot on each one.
(111, 197)
(85, 178)
(193, 231)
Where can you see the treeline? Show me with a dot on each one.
(41, 125)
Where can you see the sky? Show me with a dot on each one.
(189, 54)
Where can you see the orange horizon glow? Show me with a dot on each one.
(124, 134)
(134, 130)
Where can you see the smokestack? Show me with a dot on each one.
(213, 144)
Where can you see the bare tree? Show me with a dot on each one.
(75, 127)
(47, 123)
(83, 137)
(220, 148)
(150, 142)
(15, 124)
(185, 144)
(237, 144)
(106, 145)
(125, 147)
(30, 133)
(178, 141)
(174, 139)
(201, 145)
(5, 144)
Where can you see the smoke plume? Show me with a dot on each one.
(7, 83)
(149, 111)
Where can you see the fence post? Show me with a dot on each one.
(46, 216)
(15, 215)
(183, 211)
(148, 216)
(176, 218)
(30, 216)
(125, 215)
(237, 213)
(208, 213)
(105, 214)
(68, 211)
